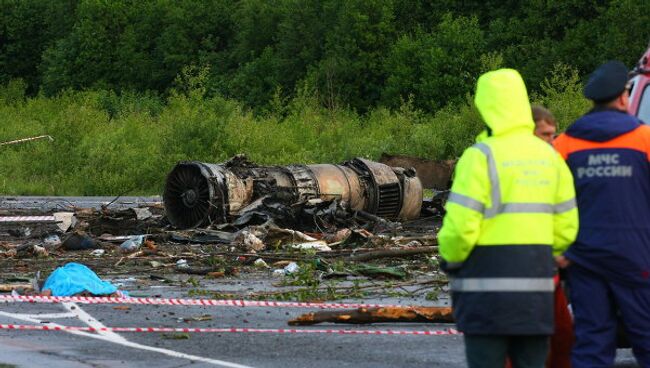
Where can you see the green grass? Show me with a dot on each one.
(108, 144)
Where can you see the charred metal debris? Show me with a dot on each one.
(309, 224)
(241, 192)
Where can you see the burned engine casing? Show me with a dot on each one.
(198, 193)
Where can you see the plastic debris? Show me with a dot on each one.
(51, 241)
(319, 245)
(260, 263)
(182, 263)
(132, 244)
(75, 278)
(98, 252)
(291, 268)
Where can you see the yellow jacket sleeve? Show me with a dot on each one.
(469, 196)
(565, 218)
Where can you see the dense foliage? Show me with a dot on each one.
(354, 53)
(128, 87)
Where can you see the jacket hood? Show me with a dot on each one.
(502, 100)
(603, 125)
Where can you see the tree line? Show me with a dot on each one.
(129, 87)
(357, 54)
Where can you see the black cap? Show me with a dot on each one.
(607, 82)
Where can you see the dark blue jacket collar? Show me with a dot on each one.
(601, 125)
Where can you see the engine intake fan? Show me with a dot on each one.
(198, 193)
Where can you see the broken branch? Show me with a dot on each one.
(402, 252)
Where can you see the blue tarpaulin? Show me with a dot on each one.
(75, 278)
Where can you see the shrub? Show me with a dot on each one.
(109, 144)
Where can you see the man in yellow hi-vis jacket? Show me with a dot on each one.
(510, 211)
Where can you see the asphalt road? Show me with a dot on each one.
(64, 349)
(70, 350)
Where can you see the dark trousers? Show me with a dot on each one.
(596, 302)
(490, 351)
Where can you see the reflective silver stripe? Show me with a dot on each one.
(513, 284)
(495, 192)
(525, 208)
(466, 201)
(565, 206)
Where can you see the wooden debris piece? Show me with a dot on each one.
(10, 287)
(377, 315)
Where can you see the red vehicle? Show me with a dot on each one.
(640, 92)
(640, 107)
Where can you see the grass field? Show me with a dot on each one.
(107, 143)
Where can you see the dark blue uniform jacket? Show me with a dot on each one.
(608, 152)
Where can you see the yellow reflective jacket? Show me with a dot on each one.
(511, 207)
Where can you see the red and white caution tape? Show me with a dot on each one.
(449, 331)
(27, 219)
(27, 140)
(192, 302)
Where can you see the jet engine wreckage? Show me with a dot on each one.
(319, 228)
(198, 194)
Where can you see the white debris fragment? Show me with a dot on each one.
(97, 252)
(182, 263)
(51, 241)
(319, 245)
(291, 268)
(65, 220)
(249, 241)
(260, 263)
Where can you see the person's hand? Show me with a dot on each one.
(562, 261)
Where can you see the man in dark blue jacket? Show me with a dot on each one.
(608, 152)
